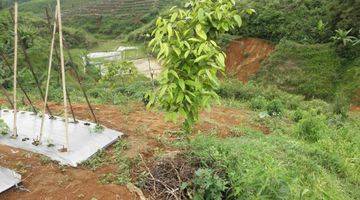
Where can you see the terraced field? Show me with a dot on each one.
(111, 17)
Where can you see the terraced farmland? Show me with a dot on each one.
(114, 17)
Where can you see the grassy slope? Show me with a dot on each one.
(311, 70)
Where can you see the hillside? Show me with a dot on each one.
(110, 17)
(210, 100)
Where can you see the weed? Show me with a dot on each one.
(208, 185)
(4, 129)
(275, 108)
(96, 161)
(44, 160)
(97, 129)
(312, 127)
(258, 103)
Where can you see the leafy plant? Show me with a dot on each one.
(275, 107)
(258, 103)
(4, 129)
(344, 37)
(312, 127)
(208, 185)
(192, 59)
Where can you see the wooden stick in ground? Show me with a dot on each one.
(63, 77)
(18, 83)
(48, 77)
(15, 66)
(48, 18)
(81, 87)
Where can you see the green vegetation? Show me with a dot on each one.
(294, 135)
(185, 39)
(310, 70)
(313, 158)
(4, 129)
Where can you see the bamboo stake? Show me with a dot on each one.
(15, 135)
(58, 59)
(48, 76)
(63, 76)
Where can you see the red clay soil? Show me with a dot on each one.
(244, 57)
(142, 128)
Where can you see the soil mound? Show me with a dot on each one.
(244, 57)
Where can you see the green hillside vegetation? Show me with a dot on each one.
(112, 18)
(303, 69)
(288, 133)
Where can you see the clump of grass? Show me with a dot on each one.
(96, 161)
(312, 127)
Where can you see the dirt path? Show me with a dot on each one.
(142, 128)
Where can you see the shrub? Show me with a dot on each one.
(208, 185)
(312, 127)
(258, 103)
(275, 108)
(237, 90)
(4, 129)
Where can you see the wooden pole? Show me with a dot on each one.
(66, 148)
(15, 135)
(48, 76)
(82, 88)
(48, 18)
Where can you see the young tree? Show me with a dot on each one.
(185, 42)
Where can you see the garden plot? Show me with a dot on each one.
(84, 140)
(8, 179)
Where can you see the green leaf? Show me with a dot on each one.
(174, 73)
(182, 84)
(170, 31)
(180, 97)
(200, 58)
(238, 20)
(200, 32)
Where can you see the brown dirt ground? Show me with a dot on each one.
(142, 129)
(244, 57)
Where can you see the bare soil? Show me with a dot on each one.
(244, 57)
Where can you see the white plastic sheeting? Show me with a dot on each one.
(8, 179)
(84, 141)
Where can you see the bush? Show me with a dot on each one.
(4, 129)
(275, 108)
(258, 103)
(312, 127)
(208, 185)
(237, 90)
